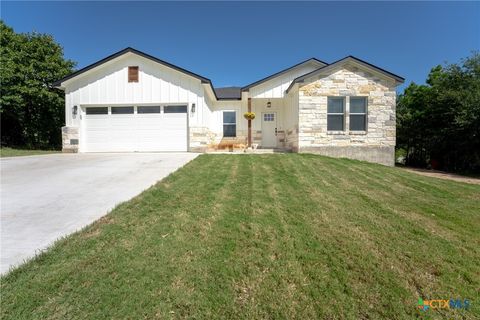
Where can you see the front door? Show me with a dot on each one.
(269, 129)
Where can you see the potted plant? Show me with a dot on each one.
(249, 115)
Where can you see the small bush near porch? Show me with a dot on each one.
(271, 236)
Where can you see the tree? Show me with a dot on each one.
(439, 123)
(32, 112)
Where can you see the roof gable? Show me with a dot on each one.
(341, 62)
(120, 53)
(311, 60)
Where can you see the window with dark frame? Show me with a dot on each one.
(133, 74)
(267, 117)
(122, 110)
(148, 109)
(336, 114)
(96, 110)
(229, 124)
(175, 109)
(358, 113)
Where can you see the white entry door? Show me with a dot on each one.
(269, 129)
(139, 128)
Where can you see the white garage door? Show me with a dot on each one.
(142, 128)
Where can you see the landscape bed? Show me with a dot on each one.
(265, 236)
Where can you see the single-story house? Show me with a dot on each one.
(134, 102)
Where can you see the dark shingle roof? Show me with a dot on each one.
(229, 93)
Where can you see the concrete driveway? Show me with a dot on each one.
(50, 196)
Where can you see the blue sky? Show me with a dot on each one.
(236, 43)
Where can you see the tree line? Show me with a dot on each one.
(438, 124)
(31, 112)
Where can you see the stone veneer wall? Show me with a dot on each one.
(70, 139)
(202, 139)
(281, 136)
(257, 138)
(291, 139)
(376, 144)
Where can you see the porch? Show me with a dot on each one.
(269, 130)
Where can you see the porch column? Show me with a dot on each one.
(249, 123)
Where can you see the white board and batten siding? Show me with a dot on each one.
(216, 118)
(276, 87)
(158, 85)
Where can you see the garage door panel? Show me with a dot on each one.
(135, 132)
(98, 131)
(145, 124)
(122, 123)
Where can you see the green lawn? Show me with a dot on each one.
(11, 152)
(265, 236)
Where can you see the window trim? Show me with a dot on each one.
(364, 114)
(229, 123)
(337, 114)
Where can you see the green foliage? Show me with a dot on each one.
(438, 124)
(31, 111)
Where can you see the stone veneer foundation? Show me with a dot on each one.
(70, 139)
(203, 140)
(376, 144)
(291, 139)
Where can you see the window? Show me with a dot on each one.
(132, 74)
(122, 110)
(229, 124)
(102, 110)
(269, 117)
(358, 113)
(148, 109)
(175, 109)
(335, 113)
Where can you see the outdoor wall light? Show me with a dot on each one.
(74, 111)
(269, 104)
(193, 108)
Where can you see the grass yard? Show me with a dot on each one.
(265, 236)
(11, 152)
